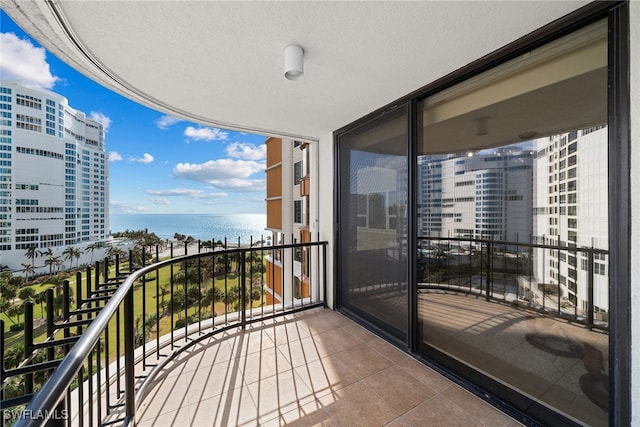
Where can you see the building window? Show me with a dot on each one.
(297, 172)
(297, 211)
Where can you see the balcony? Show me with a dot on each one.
(203, 359)
(314, 367)
(295, 362)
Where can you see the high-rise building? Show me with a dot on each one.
(570, 210)
(54, 174)
(288, 210)
(479, 196)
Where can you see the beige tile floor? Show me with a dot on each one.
(491, 337)
(311, 368)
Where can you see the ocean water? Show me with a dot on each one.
(198, 226)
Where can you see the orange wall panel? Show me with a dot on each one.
(274, 151)
(274, 214)
(274, 182)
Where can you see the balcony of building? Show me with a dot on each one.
(296, 361)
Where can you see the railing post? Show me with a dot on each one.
(129, 373)
(243, 289)
(50, 322)
(488, 287)
(590, 292)
(2, 413)
(28, 343)
(324, 273)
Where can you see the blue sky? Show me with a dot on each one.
(158, 164)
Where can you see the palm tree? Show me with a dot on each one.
(28, 270)
(92, 247)
(77, 253)
(52, 261)
(32, 253)
(40, 298)
(14, 310)
(68, 254)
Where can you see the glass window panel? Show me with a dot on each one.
(496, 283)
(373, 221)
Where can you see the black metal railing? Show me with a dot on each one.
(549, 276)
(125, 325)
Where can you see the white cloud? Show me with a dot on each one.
(217, 171)
(193, 193)
(24, 62)
(246, 151)
(161, 201)
(174, 192)
(114, 156)
(206, 134)
(212, 195)
(239, 184)
(146, 158)
(123, 207)
(165, 121)
(101, 118)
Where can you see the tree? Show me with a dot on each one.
(32, 253)
(177, 302)
(211, 296)
(68, 254)
(77, 253)
(14, 310)
(92, 247)
(40, 298)
(28, 270)
(231, 297)
(52, 261)
(143, 332)
(113, 251)
(164, 290)
(4, 304)
(13, 356)
(48, 252)
(26, 294)
(58, 303)
(8, 290)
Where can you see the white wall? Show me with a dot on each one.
(634, 19)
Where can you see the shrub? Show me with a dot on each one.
(16, 327)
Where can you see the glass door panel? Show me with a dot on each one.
(373, 222)
(513, 228)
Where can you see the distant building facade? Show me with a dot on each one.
(288, 176)
(54, 174)
(479, 196)
(571, 210)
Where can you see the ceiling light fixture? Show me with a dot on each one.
(293, 62)
(482, 126)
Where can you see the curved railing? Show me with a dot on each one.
(545, 275)
(135, 330)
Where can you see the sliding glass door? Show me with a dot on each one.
(513, 229)
(373, 207)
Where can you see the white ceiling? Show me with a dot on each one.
(220, 63)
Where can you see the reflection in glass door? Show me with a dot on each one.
(513, 229)
(373, 222)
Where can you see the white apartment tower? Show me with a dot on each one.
(54, 174)
(570, 210)
(484, 195)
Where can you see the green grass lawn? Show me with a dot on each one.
(142, 294)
